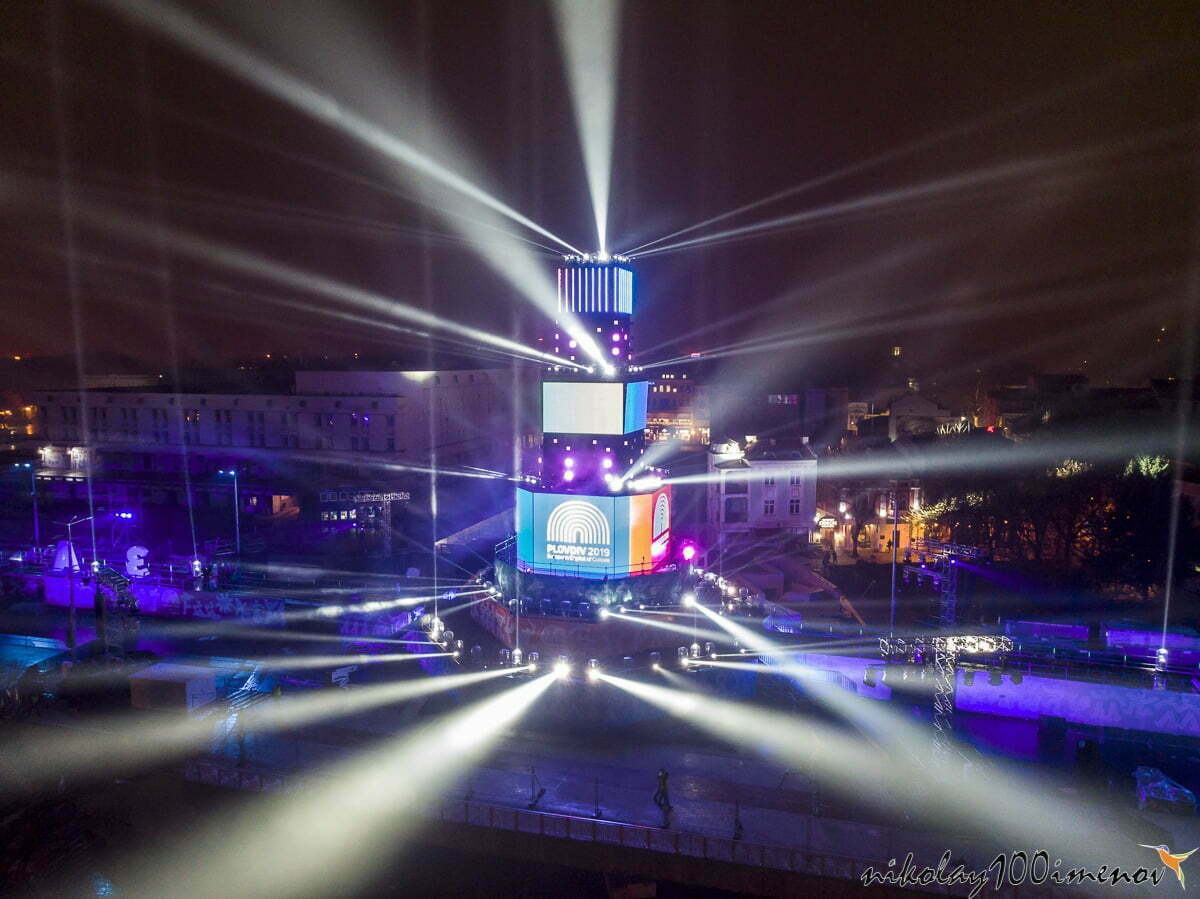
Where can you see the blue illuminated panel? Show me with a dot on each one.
(635, 405)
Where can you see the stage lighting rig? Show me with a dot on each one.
(942, 652)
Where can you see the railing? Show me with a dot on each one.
(1030, 656)
(804, 861)
(653, 839)
(570, 827)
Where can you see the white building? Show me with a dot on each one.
(766, 486)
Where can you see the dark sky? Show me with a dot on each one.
(1071, 257)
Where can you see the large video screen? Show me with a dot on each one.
(583, 407)
(578, 535)
(593, 407)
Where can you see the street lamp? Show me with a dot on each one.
(237, 516)
(71, 581)
(37, 531)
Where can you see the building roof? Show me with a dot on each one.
(780, 451)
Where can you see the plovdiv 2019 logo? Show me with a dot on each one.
(578, 532)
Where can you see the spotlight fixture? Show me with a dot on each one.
(689, 600)
(562, 669)
(593, 670)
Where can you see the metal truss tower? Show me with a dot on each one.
(942, 652)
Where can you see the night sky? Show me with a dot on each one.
(1074, 256)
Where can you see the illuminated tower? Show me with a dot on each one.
(588, 509)
(597, 292)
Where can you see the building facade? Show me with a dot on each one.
(677, 409)
(342, 449)
(766, 486)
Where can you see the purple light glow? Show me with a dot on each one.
(616, 351)
(607, 463)
(569, 462)
(568, 475)
(616, 336)
(689, 552)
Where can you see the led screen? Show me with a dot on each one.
(583, 407)
(635, 405)
(578, 535)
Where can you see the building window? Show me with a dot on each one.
(734, 486)
(793, 507)
(769, 481)
(735, 509)
(768, 507)
(794, 480)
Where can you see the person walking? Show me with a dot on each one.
(661, 798)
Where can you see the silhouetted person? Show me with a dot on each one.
(661, 797)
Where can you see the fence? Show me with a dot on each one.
(818, 858)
